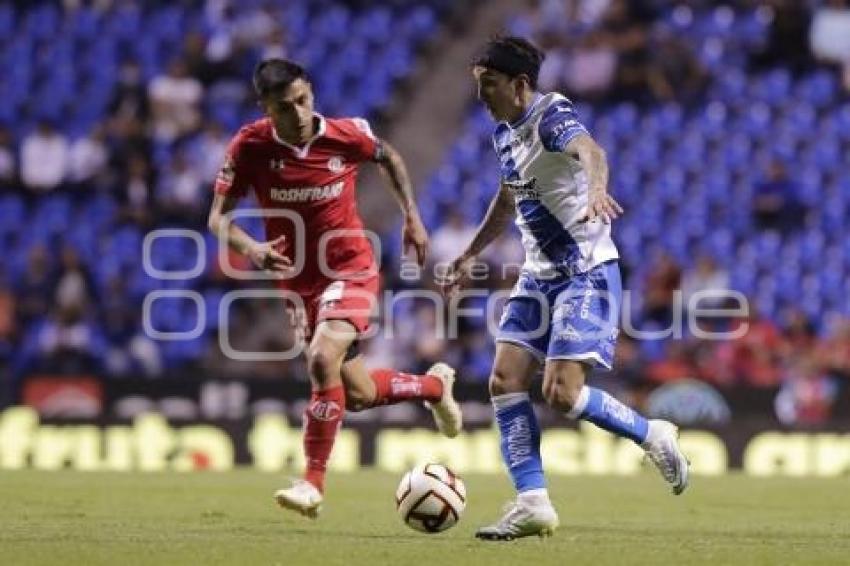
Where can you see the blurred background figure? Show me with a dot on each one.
(726, 125)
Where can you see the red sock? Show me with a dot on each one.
(393, 386)
(322, 419)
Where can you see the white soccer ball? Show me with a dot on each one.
(430, 498)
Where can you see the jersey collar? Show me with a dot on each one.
(521, 120)
(301, 152)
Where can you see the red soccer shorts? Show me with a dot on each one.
(352, 300)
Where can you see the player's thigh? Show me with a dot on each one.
(562, 382)
(585, 317)
(513, 369)
(360, 390)
(327, 349)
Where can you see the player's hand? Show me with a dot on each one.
(457, 275)
(413, 234)
(267, 256)
(603, 206)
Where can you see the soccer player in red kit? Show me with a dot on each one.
(302, 168)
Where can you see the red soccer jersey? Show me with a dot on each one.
(316, 182)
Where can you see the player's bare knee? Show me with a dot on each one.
(562, 388)
(320, 365)
(357, 400)
(562, 398)
(502, 382)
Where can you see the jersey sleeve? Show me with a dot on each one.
(559, 125)
(363, 145)
(232, 178)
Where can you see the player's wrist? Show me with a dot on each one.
(468, 255)
(410, 213)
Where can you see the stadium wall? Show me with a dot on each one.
(83, 424)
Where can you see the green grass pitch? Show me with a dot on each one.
(74, 518)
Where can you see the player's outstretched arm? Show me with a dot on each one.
(500, 212)
(595, 163)
(264, 255)
(413, 231)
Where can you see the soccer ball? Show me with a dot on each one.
(430, 498)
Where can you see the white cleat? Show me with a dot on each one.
(302, 497)
(521, 520)
(447, 414)
(662, 447)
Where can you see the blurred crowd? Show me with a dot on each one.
(606, 52)
(641, 50)
(158, 147)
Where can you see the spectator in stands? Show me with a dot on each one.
(88, 160)
(625, 30)
(36, 286)
(127, 348)
(175, 99)
(75, 285)
(451, 238)
(787, 43)
(419, 335)
(673, 72)
(800, 336)
(137, 190)
(662, 284)
(208, 149)
(260, 325)
(629, 368)
(198, 64)
(66, 343)
(8, 162)
(807, 394)
(775, 205)
(755, 357)
(44, 159)
(129, 101)
(705, 276)
(254, 27)
(8, 323)
(505, 257)
(274, 45)
(180, 190)
(830, 36)
(591, 67)
(833, 352)
(675, 365)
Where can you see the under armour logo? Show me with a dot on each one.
(276, 164)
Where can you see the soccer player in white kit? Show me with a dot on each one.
(564, 309)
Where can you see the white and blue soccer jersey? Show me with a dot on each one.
(566, 302)
(550, 190)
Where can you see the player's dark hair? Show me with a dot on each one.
(274, 75)
(512, 56)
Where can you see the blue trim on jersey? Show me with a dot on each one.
(502, 136)
(552, 238)
(559, 125)
(508, 170)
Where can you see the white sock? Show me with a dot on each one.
(508, 399)
(534, 497)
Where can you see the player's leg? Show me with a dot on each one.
(323, 415)
(366, 388)
(531, 513)
(584, 333)
(565, 390)
(518, 355)
(354, 300)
